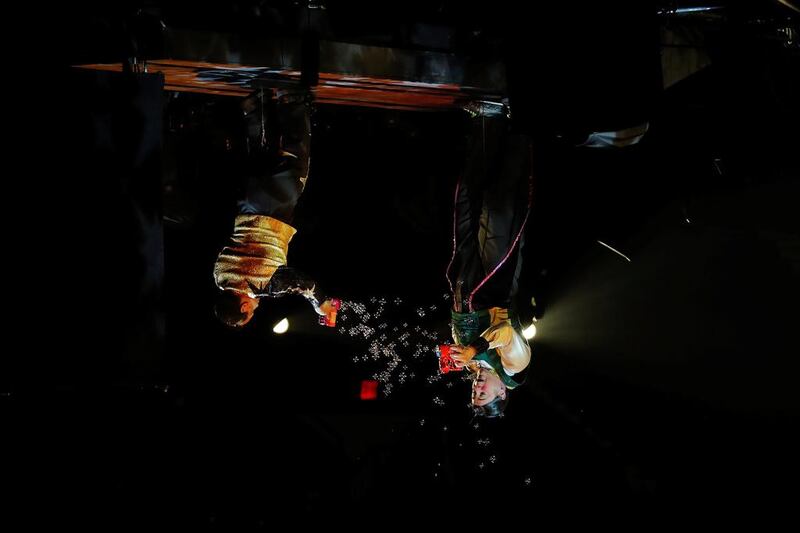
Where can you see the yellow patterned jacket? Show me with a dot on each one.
(257, 248)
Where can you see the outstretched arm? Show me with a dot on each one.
(288, 280)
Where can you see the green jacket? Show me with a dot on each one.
(467, 327)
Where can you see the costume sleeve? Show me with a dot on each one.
(513, 349)
(288, 280)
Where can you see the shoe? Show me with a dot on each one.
(487, 108)
(294, 95)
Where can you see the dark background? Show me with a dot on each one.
(669, 376)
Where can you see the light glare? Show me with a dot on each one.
(529, 332)
(281, 327)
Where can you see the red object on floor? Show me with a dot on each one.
(369, 389)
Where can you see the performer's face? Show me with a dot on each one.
(247, 306)
(486, 387)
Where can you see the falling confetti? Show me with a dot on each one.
(433, 379)
(387, 341)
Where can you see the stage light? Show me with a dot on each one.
(281, 327)
(529, 332)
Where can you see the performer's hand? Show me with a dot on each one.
(462, 354)
(326, 307)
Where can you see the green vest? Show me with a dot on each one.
(467, 327)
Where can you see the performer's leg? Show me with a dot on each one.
(465, 270)
(506, 205)
(279, 157)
